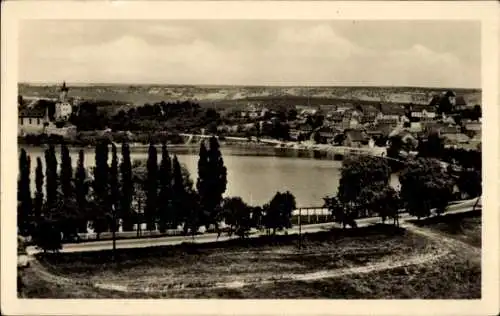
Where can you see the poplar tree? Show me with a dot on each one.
(166, 216)
(100, 185)
(66, 173)
(69, 218)
(114, 194)
(212, 180)
(51, 177)
(81, 188)
(39, 191)
(202, 184)
(151, 187)
(25, 203)
(127, 188)
(179, 195)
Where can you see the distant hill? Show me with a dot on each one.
(225, 96)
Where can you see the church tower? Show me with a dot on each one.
(63, 93)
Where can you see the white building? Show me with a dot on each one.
(63, 107)
(32, 121)
(424, 114)
(63, 111)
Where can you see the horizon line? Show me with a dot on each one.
(54, 83)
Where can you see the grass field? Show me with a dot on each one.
(464, 227)
(366, 263)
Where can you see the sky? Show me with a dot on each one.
(252, 52)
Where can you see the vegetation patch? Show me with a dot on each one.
(465, 227)
(452, 277)
(192, 267)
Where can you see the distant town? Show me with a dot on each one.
(359, 118)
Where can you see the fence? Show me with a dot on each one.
(311, 215)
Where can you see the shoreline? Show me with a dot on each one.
(288, 150)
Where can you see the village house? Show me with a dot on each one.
(335, 117)
(355, 138)
(304, 128)
(32, 120)
(350, 119)
(422, 114)
(451, 134)
(391, 119)
(391, 109)
(407, 138)
(473, 126)
(328, 133)
(455, 139)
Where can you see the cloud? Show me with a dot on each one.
(288, 54)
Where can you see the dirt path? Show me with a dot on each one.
(149, 285)
(455, 245)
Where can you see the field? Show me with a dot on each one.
(372, 262)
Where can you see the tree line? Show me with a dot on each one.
(162, 195)
(425, 185)
(123, 193)
(94, 115)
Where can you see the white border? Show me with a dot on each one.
(486, 12)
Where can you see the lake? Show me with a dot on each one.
(253, 174)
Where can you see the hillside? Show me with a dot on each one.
(223, 95)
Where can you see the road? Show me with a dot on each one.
(212, 237)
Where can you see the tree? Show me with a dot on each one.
(185, 201)
(166, 215)
(425, 185)
(359, 172)
(292, 114)
(212, 180)
(81, 188)
(257, 216)
(151, 187)
(337, 209)
(317, 137)
(48, 236)
(236, 214)
(470, 182)
(357, 176)
(393, 151)
(66, 173)
(127, 187)
(444, 105)
(432, 147)
(25, 202)
(51, 176)
(191, 215)
(101, 189)
(114, 194)
(477, 112)
(382, 200)
(68, 210)
(202, 184)
(38, 205)
(339, 139)
(279, 211)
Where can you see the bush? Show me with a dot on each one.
(48, 237)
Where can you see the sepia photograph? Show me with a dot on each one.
(208, 158)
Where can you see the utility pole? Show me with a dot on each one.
(113, 213)
(300, 228)
(138, 213)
